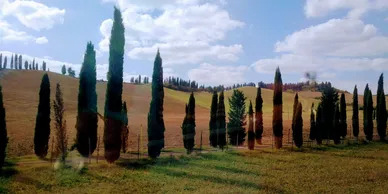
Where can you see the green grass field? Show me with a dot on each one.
(328, 169)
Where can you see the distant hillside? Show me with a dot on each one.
(21, 90)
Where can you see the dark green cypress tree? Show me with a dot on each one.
(3, 131)
(329, 100)
(16, 61)
(355, 119)
(297, 132)
(368, 113)
(259, 117)
(313, 130)
(336, 134)
(33, 64)
(5, 63)
(381, 110)
(114, 90)
(42, 126)
(251, 133)
(188, 126)
(87, 121)
(277, 119)
(20, 62)
(25, 65)
(237, 116)
(343, 122)
(221, 122)
(125, 130)
(295, 107)
(44, 66)
(12, 61)
(1, 61)
(63, 68)
(213, 120)
(156, 126)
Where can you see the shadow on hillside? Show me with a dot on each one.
(6, 173)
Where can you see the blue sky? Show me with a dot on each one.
(211, 41)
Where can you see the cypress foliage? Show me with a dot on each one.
(368, 113)
(114, 90)
(16, 61)
(343, 122)
(44, 66)
(63, 68)
(3, 131)
(251, 133)
(188, 126)
(329, 100)
(381, 110)
(60, 124)
(87, 121)
(1, 61)
(29, 67)
(213, 121)
(277, 119)
(125, 130)
(319, 125)
(259, 117)
(355, 119)
(42, 126)
(221, 122)
(25, 65)
(156, 126)
(20, 62)
(336, 134)
(295, 107)
(12, 61)
(297, 132)
(5, 63)
(237, 116)
(33, 64)
(313, 130)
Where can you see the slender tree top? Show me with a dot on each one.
(259, 101)
(278, 76)
(380, 86)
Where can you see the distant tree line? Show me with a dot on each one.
(139, 80)
(16, 63)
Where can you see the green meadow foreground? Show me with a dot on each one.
(355, 168)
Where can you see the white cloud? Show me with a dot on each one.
(214, 75)
(32, 14)
(41, 40)
(355, 8)
(336, 37)
(187, 25)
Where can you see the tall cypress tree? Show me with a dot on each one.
(12, 61)
(343, 122)
(355, 119)
(251, 133)
(156, 126)
(5, 63)
(221, 122)
(188, 126)
(42, 126)
(44, 66)
(297, 132)
(295, 107)
(87, 121)
(1, 61)
(63, 68)
(329, 100)
(16, 61)
(3, 131)
(237, 116)
(60, 124)
(125, 130)
(368, 113)
(213, 120)
(259, 117)
(114, 90)
(336, 134)
(277, 119)
(381, 110)
(313, 130)
(20, 62)
(25, 65)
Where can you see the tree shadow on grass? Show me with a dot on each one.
(218, 180)
(6, 174)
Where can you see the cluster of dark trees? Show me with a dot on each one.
(69, 71)
(180, 84)
(17, 63)
(300, 86)
(138, 80)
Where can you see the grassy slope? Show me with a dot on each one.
(21, 89)
(343, 169)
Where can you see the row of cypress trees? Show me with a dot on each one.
(217, 123)
(17, 63)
